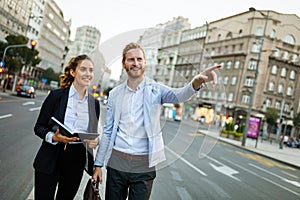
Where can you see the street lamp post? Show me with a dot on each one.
(255, 77)
(3, 63)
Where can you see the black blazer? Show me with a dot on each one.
(55, 105)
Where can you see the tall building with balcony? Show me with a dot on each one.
(87, 40)
(168, 52)
(53, 38)
(256, 47)
(14, 17)
(151, 41)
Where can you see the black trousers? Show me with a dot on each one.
(67, 175)
(127, 176)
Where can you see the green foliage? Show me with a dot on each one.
(240, 129)
(229, 127)
(237, 134)
(296, 120)
(16, 57)
(272, 115)
(50, 75)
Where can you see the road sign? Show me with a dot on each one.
(2, 63)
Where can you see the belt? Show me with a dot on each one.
(127, 156)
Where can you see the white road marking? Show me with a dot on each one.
(187, 162)
(28, 103)
(295, 183)
(176, 176)
(183, 193)
(224, 169)
(33, 109)
(5, 116)
(261, 177)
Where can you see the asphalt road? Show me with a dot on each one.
(197, 166)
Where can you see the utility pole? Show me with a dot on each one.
(255, 77)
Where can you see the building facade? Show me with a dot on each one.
(53, 38)
(259, 53)
(14, 17)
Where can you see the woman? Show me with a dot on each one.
(61, 160)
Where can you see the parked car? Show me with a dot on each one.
(26, 90)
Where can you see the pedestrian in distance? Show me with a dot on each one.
(132, 144)
(60, 162)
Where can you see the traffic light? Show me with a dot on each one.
(1, 70)
(33, 43)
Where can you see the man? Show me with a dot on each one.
(132, 143)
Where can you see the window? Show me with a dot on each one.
(292, 75)
(280, 88)
(230, 96)
(289, 91)
(241, 46)
(286, 108)
(277, 105)
(274, 69)
(240, 33)
(295, 58)
(268, 103)
(285, 55)
(236, 64)
(283, 72)
(255, 48)
(252, 64)
(223, 96)
(194, 72)
(233, 80)
(259, 31)
(225, 80)
(228, 64)
(187, 73)
(219, 37)
(222, 65)
(271, 86)
(209, 94)
(273, 33)
(249, 82)
(245, 98)
(277, 53)
(204, 94)
(289, 39)
(229, 35)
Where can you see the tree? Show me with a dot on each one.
(272, 116)
(17, 57)
(49, 74)
(296, 122)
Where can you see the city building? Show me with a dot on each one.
(87, 40)
(259, 54)
(257, 48)
(14, 17)
(53, 38)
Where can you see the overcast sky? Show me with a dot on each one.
(114, 17)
